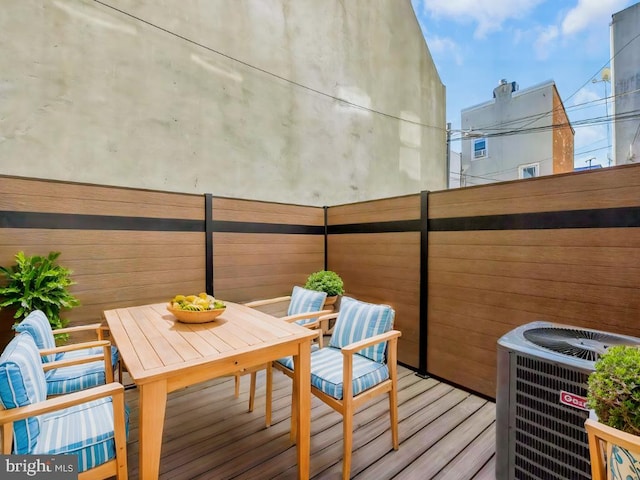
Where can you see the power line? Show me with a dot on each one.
(267, 72)
(585, 83)
(627, 116)
(587, 104)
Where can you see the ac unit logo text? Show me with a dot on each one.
(573, 400)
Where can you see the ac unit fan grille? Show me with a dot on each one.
(550, 440)
(584, 344)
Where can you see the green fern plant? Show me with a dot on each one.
(38, 283)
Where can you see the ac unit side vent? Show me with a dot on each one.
(525, 470)
(569, 430)
(564, 465)
(551, 370)
(551, 438)
(549, 434)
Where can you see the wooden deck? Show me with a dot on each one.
(445, 433)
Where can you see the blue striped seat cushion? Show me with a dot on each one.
(326, 372)
(22, 383)
(303, 301)
(38, 326)
(85, 430)
(360, 320)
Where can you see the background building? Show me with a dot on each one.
(518, 134)
(625, 66)
(282, 100)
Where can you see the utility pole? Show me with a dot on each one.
(448, 155)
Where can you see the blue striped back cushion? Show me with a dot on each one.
(38, 326)
(360, 320)
(22, 383)
(303, 301)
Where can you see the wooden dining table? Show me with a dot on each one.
(162, 354)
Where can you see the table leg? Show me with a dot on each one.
(302, 390)
(153, 403)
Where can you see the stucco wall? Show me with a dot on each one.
(625, 64)
(91, 94)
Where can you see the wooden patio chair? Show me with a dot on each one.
(613, 450)
(304, 308)
(91, 424)
(359, 363)
(71, 367)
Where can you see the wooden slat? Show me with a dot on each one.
(606, 188)
(32, 195)
(389, 209)
(266, 212)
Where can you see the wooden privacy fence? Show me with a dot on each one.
(461, 267)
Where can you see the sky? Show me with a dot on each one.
(476, 43)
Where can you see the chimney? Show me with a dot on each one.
(504, 90)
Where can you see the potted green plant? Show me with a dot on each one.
(37, 283)
(326, 281)
(614, 395)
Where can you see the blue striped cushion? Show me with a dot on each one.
(85, 430)
(22, 383)
(38, 326)
(360, 320)
(75, 378)
(326, 372)
(78, 377)
(303, 301)
(115, 355)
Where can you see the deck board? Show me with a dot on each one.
(445, 433)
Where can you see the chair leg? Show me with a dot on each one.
(293, 434)
(252, 391)
(237, 385)
(347, 439)
(269, 395)
(393, 413)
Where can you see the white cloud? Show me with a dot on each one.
(545, 42)
(444, 46)
(488, 14)
(589, 13)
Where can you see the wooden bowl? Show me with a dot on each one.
(186, 316)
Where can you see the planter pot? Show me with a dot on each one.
(330, 302)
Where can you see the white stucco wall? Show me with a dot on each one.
(92, 94)
(625, 63)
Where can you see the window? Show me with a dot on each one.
(479, 148)
(529, 171)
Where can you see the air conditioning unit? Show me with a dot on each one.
(541, 400)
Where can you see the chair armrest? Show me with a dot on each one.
(367, 342)
(105, 356)
(63, 401)
(306, 315)
(268, 301)
(74, 361)
(79, 328)
(75, 346)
